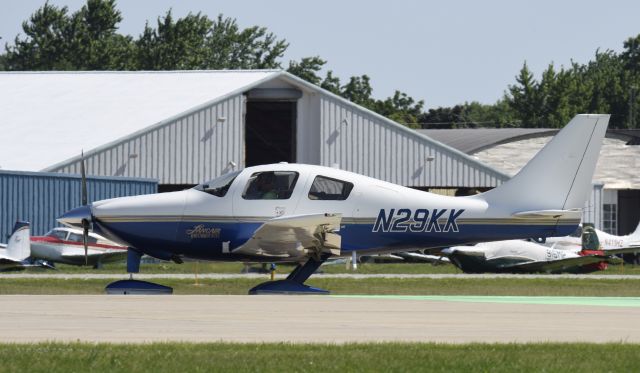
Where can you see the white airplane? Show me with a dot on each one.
(306, 214)
(582, 254)
(65, 245)
(607, 241)
(14, 255)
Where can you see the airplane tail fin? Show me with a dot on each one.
(19, 246)
(590, 241)
(558, 179)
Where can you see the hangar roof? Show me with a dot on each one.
(509, 149)
(65, 112)
(472, 140)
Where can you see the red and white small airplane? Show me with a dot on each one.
(65, 245)
(15, 254)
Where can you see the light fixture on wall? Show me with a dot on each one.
(429, 158)
(222, 119)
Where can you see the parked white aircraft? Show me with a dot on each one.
(588, 255)
(65, 245)
(607, 241)
(305, 214)
(14, 256)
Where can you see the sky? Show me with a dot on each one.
(444, 52)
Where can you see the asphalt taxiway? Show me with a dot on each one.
(324, 319)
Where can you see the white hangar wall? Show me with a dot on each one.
(366, 143)
(185, 150)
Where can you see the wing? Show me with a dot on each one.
(556, 265)
(623, 250)
(293, 236)
(9, 264)
(94, 254)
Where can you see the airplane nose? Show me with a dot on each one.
(73, 218)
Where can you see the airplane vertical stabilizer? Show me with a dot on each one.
(559, 176)
(19, 246)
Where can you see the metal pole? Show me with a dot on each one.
(354, 261)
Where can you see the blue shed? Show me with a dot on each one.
(41, 197)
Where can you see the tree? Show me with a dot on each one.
(85, 40)
(307, 69)
(524, 99)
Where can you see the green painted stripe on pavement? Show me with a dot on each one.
(578, 301)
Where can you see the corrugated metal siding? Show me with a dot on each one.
(42, 197)
(592, 212)
(188, 150)
(364, 143)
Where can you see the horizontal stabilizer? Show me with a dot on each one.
(546, 214)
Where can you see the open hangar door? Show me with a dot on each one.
(270, 126)
(628, 210)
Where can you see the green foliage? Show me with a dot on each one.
(307, 69)
(603, 85)
(468, 115)
(85, 40)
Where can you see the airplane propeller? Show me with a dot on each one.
(85, 222)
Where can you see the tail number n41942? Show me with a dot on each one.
(420, 220)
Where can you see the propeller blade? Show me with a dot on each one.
(85, 238)
(84, 179)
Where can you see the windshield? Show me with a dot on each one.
(57, 234)
(219, 186)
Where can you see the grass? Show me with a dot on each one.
(219, 267)
(282, 357)
(375, 286)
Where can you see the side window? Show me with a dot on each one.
(326, 188)
(270, 185)
(74, 237)
(78, 238)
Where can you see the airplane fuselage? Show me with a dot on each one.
(376, 217)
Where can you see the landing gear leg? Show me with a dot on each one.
(294, 283)
(132, 286)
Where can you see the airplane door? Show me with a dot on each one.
(267, 194)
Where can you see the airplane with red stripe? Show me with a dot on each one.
(65, 245)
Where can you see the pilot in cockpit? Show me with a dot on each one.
(264, 187)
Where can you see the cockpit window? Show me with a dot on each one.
(61, 235)
(76, 237)
(270, 185)
(326, 188)
(219, 186)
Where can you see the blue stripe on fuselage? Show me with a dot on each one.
(204, 240)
